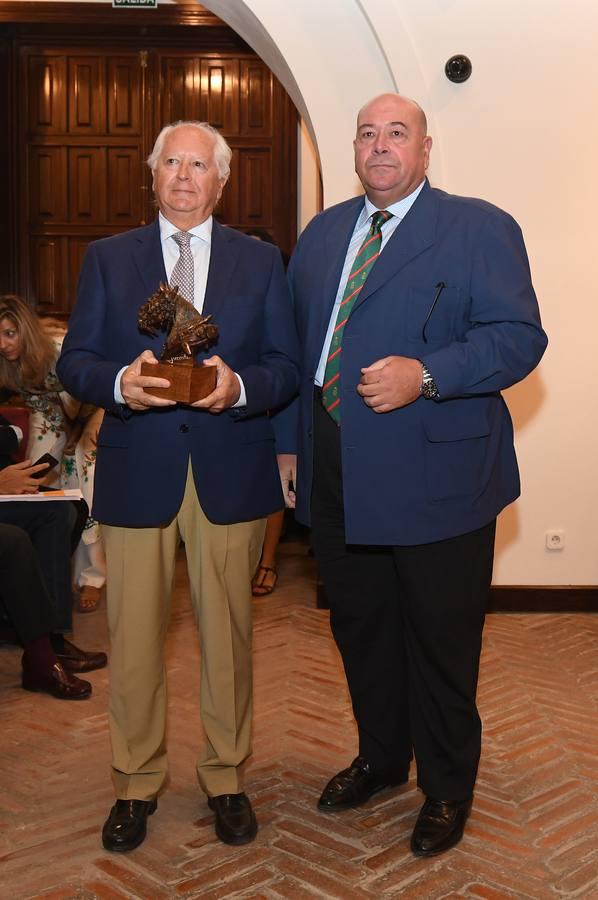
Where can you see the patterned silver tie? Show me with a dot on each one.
(182, 274)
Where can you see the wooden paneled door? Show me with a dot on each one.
(82, 175)
(85, 116)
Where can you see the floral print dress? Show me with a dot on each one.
(60, 425)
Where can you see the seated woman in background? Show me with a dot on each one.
(59, 425)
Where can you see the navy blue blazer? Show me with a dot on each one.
(142, 457)
(433, 469)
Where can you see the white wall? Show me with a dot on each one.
(520, 133)
(307, 178)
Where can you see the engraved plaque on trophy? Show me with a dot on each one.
(186, 331)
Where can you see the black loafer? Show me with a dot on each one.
(126, 826)
(76, 660)
(235, 819)
(355, 785)
(439, 826)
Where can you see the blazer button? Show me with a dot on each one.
(184, 428)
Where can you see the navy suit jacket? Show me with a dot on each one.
(142, 457)
(433, 469)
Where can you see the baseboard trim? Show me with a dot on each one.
(525, 599)
(543, 599)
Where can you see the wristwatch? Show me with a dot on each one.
(428, 387)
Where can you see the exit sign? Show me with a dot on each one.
(145, 3)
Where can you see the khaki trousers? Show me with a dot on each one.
(221, 560)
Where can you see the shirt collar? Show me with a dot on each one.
(398, 209)
(202, 231)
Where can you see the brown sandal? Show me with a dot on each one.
(258, 586)
(89, 598)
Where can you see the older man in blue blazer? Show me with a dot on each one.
(414, 310)
(205, 473)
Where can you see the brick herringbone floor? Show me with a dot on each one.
(533, 832)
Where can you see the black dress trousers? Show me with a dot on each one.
(49, 526)
(23, 594)
(408, 622)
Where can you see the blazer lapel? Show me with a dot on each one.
(148, 257)
(223, 259)
(413, 235)
(336, 243)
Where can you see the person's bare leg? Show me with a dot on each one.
(266, 576)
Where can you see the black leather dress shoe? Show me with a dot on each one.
(76, 660)
(355, 785)
(57, 682)
(439, 826)
(126, 826)
(235, 819)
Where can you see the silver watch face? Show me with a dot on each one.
(429, 389)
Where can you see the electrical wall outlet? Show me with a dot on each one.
(555, 539)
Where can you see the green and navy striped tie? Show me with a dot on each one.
(364, 263)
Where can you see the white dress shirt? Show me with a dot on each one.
(399, 210)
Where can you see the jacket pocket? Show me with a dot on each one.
(111, 435)
(253, 430)
(457, 443)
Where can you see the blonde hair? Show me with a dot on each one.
(37, 349)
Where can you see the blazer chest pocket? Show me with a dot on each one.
(432, 312)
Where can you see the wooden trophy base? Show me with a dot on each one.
(188, 382)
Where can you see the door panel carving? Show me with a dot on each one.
(76, 251)
(46, 82)
(220, 94)
(86, 95)
(256, 91)
(124, 101)
(180, 94)
(124, 196)
(47, 182)
(48, 257)
(255, 189)
(87, 186)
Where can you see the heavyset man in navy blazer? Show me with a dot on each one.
(206, 473)
(405, 453)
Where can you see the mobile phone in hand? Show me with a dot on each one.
(46, 458)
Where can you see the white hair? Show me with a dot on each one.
(222, 152)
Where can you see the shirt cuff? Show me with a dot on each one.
(118, 397)
(17, 431)
(242, 401)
